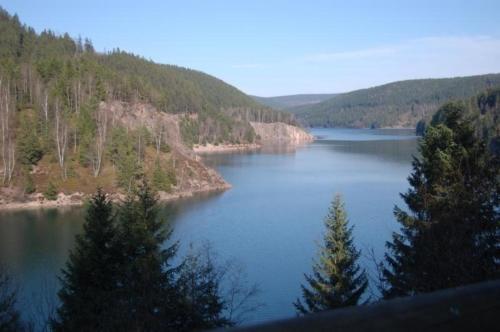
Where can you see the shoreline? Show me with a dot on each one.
(221, 148)
(78, 199)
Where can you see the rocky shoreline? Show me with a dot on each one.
(38, 201)
(221, 148)
(275, 133)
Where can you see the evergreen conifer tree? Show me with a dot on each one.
(337, 280)
(149, 300)
(120, 275)
(450, 235)
(89, 281)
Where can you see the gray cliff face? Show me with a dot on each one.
(278, 132)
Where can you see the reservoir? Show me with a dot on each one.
(270, 222)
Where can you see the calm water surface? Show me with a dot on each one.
(270, 221)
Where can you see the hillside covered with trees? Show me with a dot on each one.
(73, 118)
(483, 113)
(284, 102)
(398, 104)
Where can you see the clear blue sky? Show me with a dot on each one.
(285, 47)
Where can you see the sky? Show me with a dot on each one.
(275, 47)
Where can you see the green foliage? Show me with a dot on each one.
(48, 72)
(485, 112)
(120, 276)
(450, 235)
(284, 102)
(337, 279)
(400, 103)
(124, 156)
(51, 192)
(149, 300)
(162, 180)
(86, 127)
(89, 280)
(189, 130)
(28, 144)
(29, 185)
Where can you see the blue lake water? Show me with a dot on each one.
(270, 222)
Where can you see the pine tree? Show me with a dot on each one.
(89, 281)
(28, 144)
(149, 300)
(337, 279)
(160, 178)
(450, 235)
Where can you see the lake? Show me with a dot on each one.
(270, 222)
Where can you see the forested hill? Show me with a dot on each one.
(483, 111)
(400, 104)
(72, 118)
(283, 102)
(59, 67)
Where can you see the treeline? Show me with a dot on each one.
(449, 231)
(395, 104)
(123, 275)
(229, 125)
(483, 111)
(52, 92)
(284, 102)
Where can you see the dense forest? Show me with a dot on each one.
(284, 102)
(58, 129)
(398, 104)
(483, 112)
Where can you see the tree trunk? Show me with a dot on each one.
(61, 138)
(102, 125)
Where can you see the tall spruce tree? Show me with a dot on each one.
(337, 279)
(149, 300)
(89, 281)
(450, 236)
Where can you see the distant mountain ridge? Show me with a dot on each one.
(288, 101)
(397, 104)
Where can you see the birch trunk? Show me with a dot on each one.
(61, 138)
(102, 125)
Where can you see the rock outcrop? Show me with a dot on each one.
(282, 133)
(193, 176)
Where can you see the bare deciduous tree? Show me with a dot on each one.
(8, 143)
(227, 280)
(158, 130)
(101, 118)
(61, 136)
